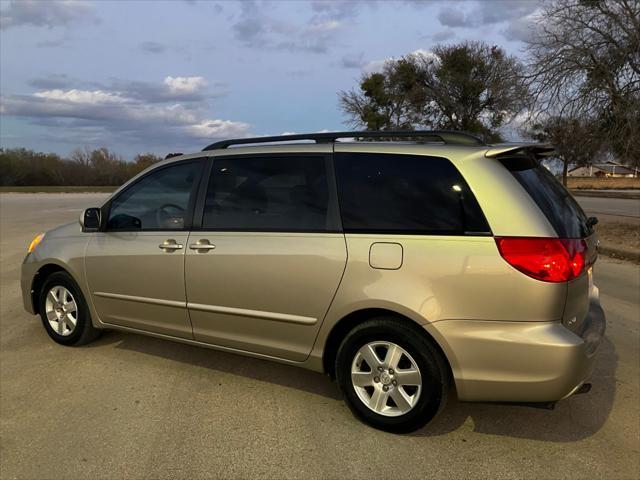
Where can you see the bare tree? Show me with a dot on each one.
(576, 140)
(584, 61)
(19, 166)
(144, 160)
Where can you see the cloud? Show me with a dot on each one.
(452, 17)
(521, 29)
(257, 27)
(113, 115)
(185, 85)
(299, 72)
(249, 28)
(81, 97)
(153, 47)
(516, 14)
(353, 61)
(427, 54)
(49, 13)
(323, 26)
(496, 11)
(218, 129)
(339, 10)
(172, 89)
(55, 81)
(443, 35)
(57, 42)
(377, 65)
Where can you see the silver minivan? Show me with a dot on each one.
(403, 269)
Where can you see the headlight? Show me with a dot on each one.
(35, 242)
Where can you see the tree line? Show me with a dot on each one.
(577, 86)
(99, 167)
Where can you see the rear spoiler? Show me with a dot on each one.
(539, 150)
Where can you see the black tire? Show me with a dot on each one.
(84, 331)
(433, 368)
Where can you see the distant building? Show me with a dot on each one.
(606, 169)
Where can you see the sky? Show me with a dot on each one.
(174, 75)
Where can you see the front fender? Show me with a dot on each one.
(54, 253)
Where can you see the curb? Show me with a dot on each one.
(632, 255)
(605, 194)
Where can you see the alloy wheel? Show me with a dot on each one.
(386, 378)
(61, 310)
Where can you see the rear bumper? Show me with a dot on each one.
(520, 361)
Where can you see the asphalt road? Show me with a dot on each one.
(136, 407)
(612, 209)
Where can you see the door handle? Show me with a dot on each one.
(203, 245)
(170, 245)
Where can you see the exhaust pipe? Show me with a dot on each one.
(584, 388)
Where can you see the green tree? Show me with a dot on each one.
(384, 101)
(470, 86)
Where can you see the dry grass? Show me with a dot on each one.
(600, 183)
(625, 236)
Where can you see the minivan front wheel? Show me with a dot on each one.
(391, 375)
(61, 310)
(64, 311)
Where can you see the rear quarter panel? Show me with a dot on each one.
(444, 278)
(441, 278)
(453, 277)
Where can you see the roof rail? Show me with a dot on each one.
(448, 137)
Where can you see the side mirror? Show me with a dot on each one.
(90, 220)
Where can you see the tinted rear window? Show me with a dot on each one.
(563, 212)
(412, 194)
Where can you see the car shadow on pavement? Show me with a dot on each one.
(572, 419)
(254, 368)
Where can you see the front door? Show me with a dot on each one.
(135, 268)
(263, 270)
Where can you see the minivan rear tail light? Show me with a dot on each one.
(546, 259)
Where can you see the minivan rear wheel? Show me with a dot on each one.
(391, 375)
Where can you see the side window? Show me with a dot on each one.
(159, 201)
(289, 193)
(410, 194)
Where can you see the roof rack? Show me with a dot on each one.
(448, 137)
